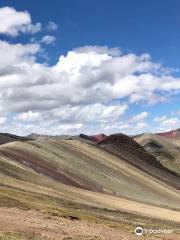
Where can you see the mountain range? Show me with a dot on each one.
(110, 184)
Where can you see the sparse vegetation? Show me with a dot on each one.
(43, 175)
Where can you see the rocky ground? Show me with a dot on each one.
(31, 224)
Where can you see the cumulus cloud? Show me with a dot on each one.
(89, 89)
(12, 22)
(94, 113)
(167, 123)
(99, 49)
(139, 117)
(79, 78)
(88, 85)
(14, 55)
(97, 114)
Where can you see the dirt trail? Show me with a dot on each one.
(45, 226)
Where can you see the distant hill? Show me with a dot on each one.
(166, 148)
(130, 150)
(171, 134)
(7, 137)
(35, 136)
(95, 138)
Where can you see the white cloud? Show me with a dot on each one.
(142, 125)
(160, 118)
(80, 88)
(89, 89)
(52, 26)
(48, 39)
(79, 75)
(167, 123)
(95, 113)
(139, 117)
(28, 116)
(31, 28)
(99, 49)
(14, 55)
(170, 122)
(78, 78)
(12, 22)
(3, 120)
(89, 113)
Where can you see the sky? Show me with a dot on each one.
(68, 67)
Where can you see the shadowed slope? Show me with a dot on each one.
(125, 147)
(166, 150)
(6, 137)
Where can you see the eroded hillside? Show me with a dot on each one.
(165, 149)
(82, 180)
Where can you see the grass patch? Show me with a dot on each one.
(18, 236)
(11, 202)
(12, 236)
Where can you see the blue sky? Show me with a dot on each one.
(134, 26)
(117, 59)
